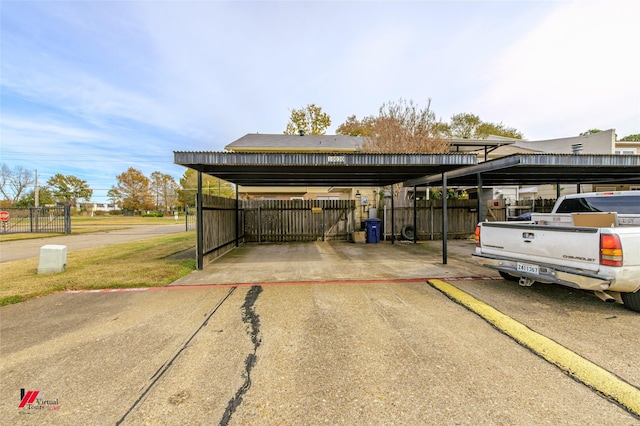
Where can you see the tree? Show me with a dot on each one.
(310, 120)
(635, 137)
(114, 196)
(165, 189)
(588, 132)
(404, 127)
(45, 197)
(210, 186)
(355, 127)
(69, 189)
(464, 125)
(14, 182)
(492, 129)
(134, 190)
(470, 126)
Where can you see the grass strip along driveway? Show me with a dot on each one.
(142, 263)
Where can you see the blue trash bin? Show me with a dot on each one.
(373, 230)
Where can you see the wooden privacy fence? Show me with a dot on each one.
(462, 218)
(221, 226)
(298, 220)
(224, 225)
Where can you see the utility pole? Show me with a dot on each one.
(36, 191)
(36, 201)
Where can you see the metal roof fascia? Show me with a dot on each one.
(487, 166)
(322, 158)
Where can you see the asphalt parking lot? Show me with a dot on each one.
(317, 333)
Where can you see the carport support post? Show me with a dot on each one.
(481, 211)
(393, 219)
(444, 218)
(323, 226)
(237, 213)
(199, 225)
(415, 214)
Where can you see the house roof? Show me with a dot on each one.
(256, 142)
(593, 143)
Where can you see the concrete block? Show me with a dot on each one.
(53, 259)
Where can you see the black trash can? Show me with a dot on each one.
(373, 230)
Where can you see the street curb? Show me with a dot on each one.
(581, 369)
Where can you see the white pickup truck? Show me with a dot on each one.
(589, 241)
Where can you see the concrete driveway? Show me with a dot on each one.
(314, 333)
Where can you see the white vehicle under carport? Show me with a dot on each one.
(589, 242)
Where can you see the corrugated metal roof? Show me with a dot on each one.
(538, 169)
(319, 169)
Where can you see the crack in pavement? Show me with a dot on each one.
(252, 320)
(165, 367)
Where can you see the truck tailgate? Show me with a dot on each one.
(572, 247)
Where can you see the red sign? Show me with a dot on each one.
(4, 216)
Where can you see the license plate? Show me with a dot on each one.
(527, 267)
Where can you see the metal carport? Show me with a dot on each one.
(367, 169)
(538, 169)
(315, 169)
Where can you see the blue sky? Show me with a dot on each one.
(91, 88)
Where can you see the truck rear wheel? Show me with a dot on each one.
(631, 300)
(509, 277)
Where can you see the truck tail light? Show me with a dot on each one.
(477, 236)
(610, 250)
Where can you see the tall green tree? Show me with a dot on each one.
(134, 189)
(310, 120)
(69, 189)
(470, 126)
(210, 186)
(635, 137)
(464, 125)
(45, 197)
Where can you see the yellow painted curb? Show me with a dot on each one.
(581, 369)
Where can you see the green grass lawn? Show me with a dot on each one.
(142, 263)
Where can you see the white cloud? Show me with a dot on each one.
(575, 70)
(109, 85)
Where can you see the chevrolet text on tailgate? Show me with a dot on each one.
(589, 242)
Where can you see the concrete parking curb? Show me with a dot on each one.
(581, 369)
